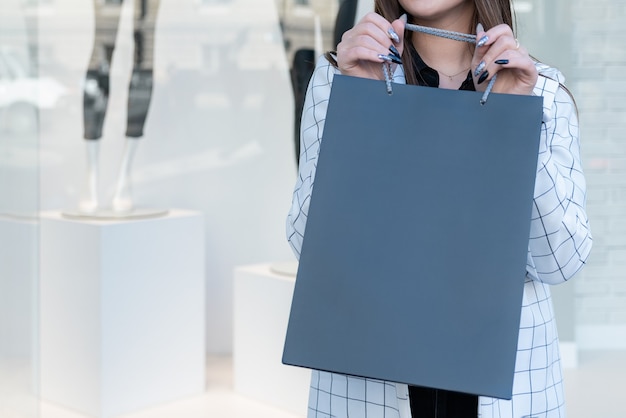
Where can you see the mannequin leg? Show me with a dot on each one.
(139, 96)
(123, 200)
(88, 202)
(140, 86)
(95, 101)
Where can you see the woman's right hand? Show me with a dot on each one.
(360, 50)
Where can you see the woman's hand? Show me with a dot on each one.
(497, 51)
(372, 41)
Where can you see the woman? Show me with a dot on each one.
(560, 239)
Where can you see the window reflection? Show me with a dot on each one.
(21, 95)
(545, 28)
(310, 28)
(22, 92)
(307, 24)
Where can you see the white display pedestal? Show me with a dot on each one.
(261, 313)
(122, 312)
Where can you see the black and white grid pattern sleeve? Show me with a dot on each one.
(311, 129)
(560, 239)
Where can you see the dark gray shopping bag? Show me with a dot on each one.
(414, 256)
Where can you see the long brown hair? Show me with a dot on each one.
(489, 13)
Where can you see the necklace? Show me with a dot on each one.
(454, 75)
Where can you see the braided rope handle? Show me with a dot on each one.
(456, 36)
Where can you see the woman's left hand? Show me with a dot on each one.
(501, 53)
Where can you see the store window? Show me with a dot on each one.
(22, 94)
(223, 80)
(207, 83)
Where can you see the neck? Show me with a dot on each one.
(448, 57)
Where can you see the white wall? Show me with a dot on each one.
(218, 137)
(599, 81)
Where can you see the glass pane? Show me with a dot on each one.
(309, 29)
(308, 24)
(216, 136)
(544, 29)
(19, 229)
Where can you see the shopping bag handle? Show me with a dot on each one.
(457, 36)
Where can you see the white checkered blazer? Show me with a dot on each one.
(559, 244)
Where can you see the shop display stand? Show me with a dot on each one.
(122, 311)
(262, 304)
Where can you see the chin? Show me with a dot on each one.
(440, 12)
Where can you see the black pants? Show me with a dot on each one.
(436, 403)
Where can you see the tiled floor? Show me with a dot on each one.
(596, 389)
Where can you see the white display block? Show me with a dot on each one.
(261, 313)
(122, 312)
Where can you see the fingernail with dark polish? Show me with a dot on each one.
(393, 35)
(480, 68)
(483, 77)
(394, 51)
(501, 62)
(395, 59)
(482, 41)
